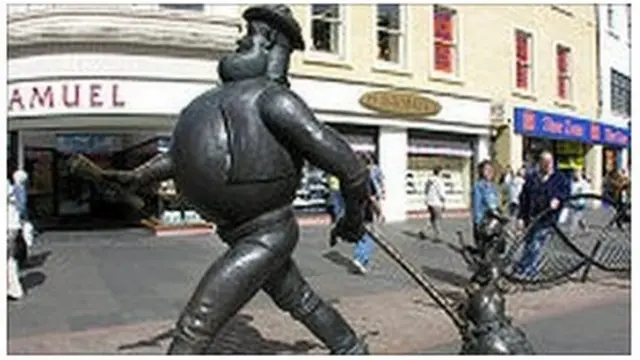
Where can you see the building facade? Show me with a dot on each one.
(416, 86)
(548, 98)
(614, 38)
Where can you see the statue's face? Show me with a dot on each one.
(251, 57)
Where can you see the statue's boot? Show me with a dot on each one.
(292, 293)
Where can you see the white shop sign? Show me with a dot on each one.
(98, 96)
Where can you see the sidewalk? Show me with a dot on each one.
(99, 290)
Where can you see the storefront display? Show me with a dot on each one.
(453, 157)
(568, 138)
(313, 194)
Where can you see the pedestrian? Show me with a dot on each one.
(542, 190)
(364, 248)
(575, 211)
(336, 202)
(20, 190)
(14, 287)
(484, 195)
(514, 188)
(378, 187)
(435, 199)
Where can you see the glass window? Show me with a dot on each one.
(389, 33)
(445, 39)
(563, 58)
(326, 28)
(620, 93)
(524, 65)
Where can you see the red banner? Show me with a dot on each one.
(443, 25)
(443, 57)
(522, 75)
(522, 47)
(563, 57)
(562, 87)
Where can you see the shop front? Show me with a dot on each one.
(410, 133)
(576, 143)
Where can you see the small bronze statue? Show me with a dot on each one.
(480, 317)
(489, 329)
(236, 155)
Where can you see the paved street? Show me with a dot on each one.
(95, 292)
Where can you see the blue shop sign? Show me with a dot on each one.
(563, 127)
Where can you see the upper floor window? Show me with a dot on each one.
(191, 7)
(326, 28)
(620, 93)
(524, 63)
(389, 33)
(445, 37)
(563, 59)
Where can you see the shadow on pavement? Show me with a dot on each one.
(339, 259)
(238, 337)
(446, 276)
(33, 279)
(37, 260)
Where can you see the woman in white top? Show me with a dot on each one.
(435, 198)
(14, 288)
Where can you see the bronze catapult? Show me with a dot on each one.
(481, 317)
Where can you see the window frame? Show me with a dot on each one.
(531, 62)
(456, 76)
(614, 111)
(569, 75)
(403, 41)
(343, 56)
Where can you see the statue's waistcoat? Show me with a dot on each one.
(228, 118)
(221, 145)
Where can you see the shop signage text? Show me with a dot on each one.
(562, 127)
(399, 103)
(64, 95)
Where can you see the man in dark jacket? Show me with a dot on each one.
(542, 190)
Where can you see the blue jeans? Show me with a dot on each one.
(364, 249)
(337, 205)
(529, 264)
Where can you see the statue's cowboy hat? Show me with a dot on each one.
(280, 18)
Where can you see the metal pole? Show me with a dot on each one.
(425, 284)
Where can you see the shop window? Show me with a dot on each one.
(189, 7)
(389, 30)
(326, 28)
(563, 58)
(620, 94)
(524, 64)
(445, 39)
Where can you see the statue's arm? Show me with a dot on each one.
(159, 168)
(295, 126)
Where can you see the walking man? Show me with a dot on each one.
(542, 190)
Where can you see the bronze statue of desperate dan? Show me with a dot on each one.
(236, 155)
